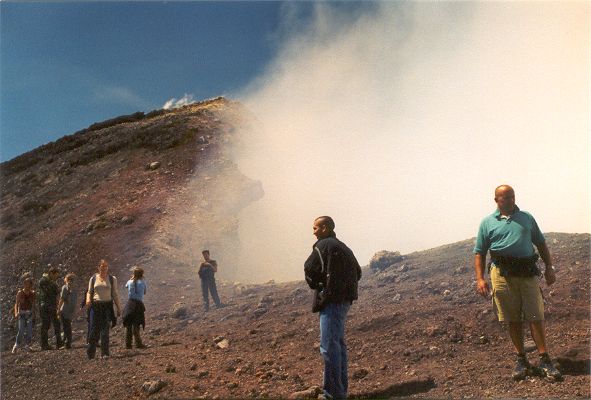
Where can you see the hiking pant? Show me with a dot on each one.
(133, 330)
(48, 316)
(100, 323)
(67, 330)
(208, 286)
(25, 328)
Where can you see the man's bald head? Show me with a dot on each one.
(505, 199)
(503, 190)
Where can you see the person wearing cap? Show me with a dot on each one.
(47, 296)
(509, 234)
(207, 270)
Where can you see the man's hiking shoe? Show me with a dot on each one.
(14, 349)
(522, 369)
(547, 368)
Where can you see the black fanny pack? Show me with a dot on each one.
(516, 266)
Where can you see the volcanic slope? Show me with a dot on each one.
(418, 330)
(148, 189)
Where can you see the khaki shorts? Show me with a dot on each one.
(516, 298)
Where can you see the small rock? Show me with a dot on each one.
(259, 311)
(154, 165)
(170, 368)
(309, 393)
(153, 386)
(360, 373)
(179, 310)
(223, 344)
(202, 374)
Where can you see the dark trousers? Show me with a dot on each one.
(48, 316)
(100, 323)
(208, 286)
(133, 330)
(67, 330)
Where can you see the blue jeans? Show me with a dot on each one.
(334, 349)
(25, 328)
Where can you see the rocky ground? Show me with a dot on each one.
(418, 330)
(152, 189)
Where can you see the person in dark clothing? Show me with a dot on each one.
(48, 298)
(207, 270)
(333, 272)
(134, 311)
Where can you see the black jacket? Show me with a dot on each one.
(332, 266)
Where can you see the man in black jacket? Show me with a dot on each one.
(333, 271)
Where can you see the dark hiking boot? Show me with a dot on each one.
(522, 368)
(547, 368)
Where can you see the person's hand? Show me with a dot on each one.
(482, 287)
(550, 275)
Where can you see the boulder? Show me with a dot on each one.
(384, 259)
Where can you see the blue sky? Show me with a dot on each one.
(67, 65)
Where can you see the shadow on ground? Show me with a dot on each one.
(402, 389)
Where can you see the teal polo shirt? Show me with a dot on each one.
(509, 236)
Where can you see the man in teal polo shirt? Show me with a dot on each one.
(510, 235)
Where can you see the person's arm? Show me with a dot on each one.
(88, 298)
(479, 266)
(313, 269)
(18, 297)
(116, 296)
(61, 301)
(214, 265)
(549, 273)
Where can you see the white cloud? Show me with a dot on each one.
(183, 101)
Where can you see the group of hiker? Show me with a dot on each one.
(57, 308)
(332, 271)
